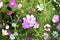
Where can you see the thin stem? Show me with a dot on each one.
(37, 33)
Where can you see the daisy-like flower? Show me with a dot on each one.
(12, 37)
(36, 25)
(19, 5)
(55, 34)
(1, 4)
(28, 21)
(6, 32)
(58, 27)
(47, 27)
(15, 34)
(40, 7)
(46, 36)
(13, 24)
(55, 18)
(7, 27)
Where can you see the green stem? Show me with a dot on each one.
(37, 33)
(11, 18)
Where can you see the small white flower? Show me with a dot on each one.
(36, 25)
(55, 34)
(1, 4)
(12, 37)
(15, 34)
(13, 24)
(54, 0)
(47, 27)
(53, 8)
(7, 27)
(4, 32)
(19, 5)
(40, 7)
(59, 5)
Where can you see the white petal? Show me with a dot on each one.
(7, 27)
(1, 4)
(38, 6)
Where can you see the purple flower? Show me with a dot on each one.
(58, 38)
(46, 36)
(9, 12)
(28, 38)
(58, 27)
(55, 19)
(12, 3)
(28, 21)
(9, 33)
(20, 20)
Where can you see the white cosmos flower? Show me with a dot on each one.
(12, 37)
(40, 7)
(15, 33)
(1, 4)
(19, 5)
(47, 27)
(7, 27)
(36, 25)
(55, 34)
(4, 32)
(13, 24)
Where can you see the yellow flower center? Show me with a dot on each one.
(29, 20)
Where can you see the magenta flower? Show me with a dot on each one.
(12, 3)
(28, 21)
(20, 20)
(55, 19)
(28, 38)
(9, 12)
(9, 33)
(58, 27)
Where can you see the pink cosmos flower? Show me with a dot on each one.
(28, 21)
(58, 27)
(12, 3)
(55, 19)
(9, 12)
(28, 38)
(46, 36)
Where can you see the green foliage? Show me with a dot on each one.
(43, 17)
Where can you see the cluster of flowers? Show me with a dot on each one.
(29, 21)
(47, 27)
